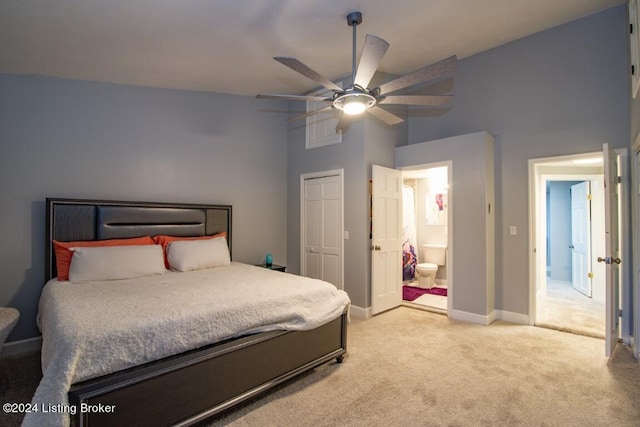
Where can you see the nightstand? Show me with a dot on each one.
(274, 267)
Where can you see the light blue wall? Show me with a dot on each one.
(471, 250)
(348, 155)
(562, 91)
(366, 142)
(65, 138)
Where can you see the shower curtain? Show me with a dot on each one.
(409, 258)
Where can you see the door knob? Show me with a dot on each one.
(616, 260)
(600, 259)
(376, 248)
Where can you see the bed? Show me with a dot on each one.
(183, 387)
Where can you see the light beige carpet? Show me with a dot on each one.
(415, 368)
(565, 309)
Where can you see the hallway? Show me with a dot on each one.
(565, 309)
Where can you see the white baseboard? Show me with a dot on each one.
(509, 316)
(15, 348)
(359, 312)
(479, 319)
(634, 350)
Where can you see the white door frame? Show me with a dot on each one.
(449, 257)
(624, 230)
(613, 250)
(329, 173)
(635, 274)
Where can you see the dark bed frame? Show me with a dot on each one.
(195, 385)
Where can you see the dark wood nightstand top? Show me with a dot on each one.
(274, 267)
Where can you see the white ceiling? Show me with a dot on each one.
(227, 45)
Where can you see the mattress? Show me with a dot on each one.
(91, 329)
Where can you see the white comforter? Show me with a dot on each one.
(91, 329)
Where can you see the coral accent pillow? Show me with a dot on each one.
(64, 254)
(164, 240)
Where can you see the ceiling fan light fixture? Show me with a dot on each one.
(354, 103)
(354, 107)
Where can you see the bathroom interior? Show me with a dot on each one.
(425, 234)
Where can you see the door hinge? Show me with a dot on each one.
(589, 196)
(590, 275)
(618, 179)
(620, 313)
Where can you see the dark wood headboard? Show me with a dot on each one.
(78, 219)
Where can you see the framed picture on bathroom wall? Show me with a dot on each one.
(435, 209)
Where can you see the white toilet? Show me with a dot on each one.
(433, 257)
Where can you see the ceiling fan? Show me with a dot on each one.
(358, 97)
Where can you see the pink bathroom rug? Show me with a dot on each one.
(409, 293)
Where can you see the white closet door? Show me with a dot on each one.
(322, 229)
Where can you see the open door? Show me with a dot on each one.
(612, 248)
(386, 239)
(581, 237)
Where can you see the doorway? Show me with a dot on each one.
(426, 236)
(571, 296)
(568, 290)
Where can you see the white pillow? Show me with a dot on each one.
(115, 262)
(187, 255)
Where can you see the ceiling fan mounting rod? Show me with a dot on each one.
(354, 19)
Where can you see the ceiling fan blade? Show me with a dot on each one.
(370, 58)
(425, 100)
(385, 116)
(298, 66)
(343, 123)
(311, 113)
(430, 72)
(294, 97)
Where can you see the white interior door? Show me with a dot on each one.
(581, 237)
(386, 239)
(612, 248)
(323, 229)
